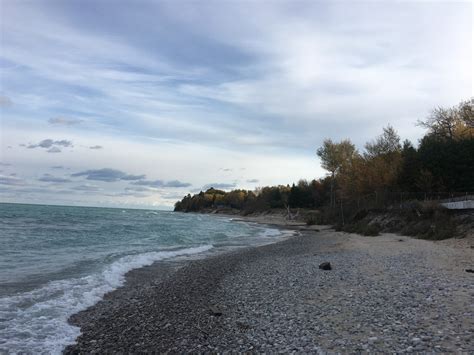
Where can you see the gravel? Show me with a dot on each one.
(380, 296)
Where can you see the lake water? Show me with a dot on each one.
(56, 261)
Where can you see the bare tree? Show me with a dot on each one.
(451, 123)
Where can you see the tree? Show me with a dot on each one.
(466, 114)
(410, 167)
(451, 123)
(335, 157)
(385, 144)
(449, 161)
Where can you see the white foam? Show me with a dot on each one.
(270, 233)
(152, 212)
(36, 321)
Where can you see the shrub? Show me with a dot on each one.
(312, 219)
(371, 230)
(360, 227)
(429, 220)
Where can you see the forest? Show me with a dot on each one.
(386, 170)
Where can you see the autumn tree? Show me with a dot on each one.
(384, 145)
(451, 123)
(382, 160)
(336, 157)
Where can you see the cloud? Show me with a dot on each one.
(96, 147)
(217, 185)
(65, 121)
(5, 164)
(5, 101)
(161, 183)
(139, 188)
(128, 194)
(11, 180)
(86, 187)
(150, 183)
(253, 181)
(176, 183)
(64, 143)
(51, 178)
(54, 150)
(133, 177)
(107, 175)
(45, 143)
(172, 196)
(216, 77)
(51, 144)
(57, 167)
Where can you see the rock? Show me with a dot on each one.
(325, 266)
(470, 270)
(242, 326)
(215, 310)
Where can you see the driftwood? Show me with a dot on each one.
(290, 216)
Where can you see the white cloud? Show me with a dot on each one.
(267, 82)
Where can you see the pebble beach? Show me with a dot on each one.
(383, 294)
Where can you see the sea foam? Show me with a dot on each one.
(36, 321)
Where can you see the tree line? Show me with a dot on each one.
(443, 162)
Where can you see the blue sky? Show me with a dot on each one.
(138, 103)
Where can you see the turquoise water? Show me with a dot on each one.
(56, 261)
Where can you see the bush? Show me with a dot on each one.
(312, 218)
(360, 227)
(429, 220)
(371, 230)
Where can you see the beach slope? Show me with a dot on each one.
(386, 293)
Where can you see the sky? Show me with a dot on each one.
(138, 103)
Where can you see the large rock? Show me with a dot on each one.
(325, 266)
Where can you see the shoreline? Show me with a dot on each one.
(275, 298)
(160, 271)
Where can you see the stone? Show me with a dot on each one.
(215, 310)
(325, 266)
